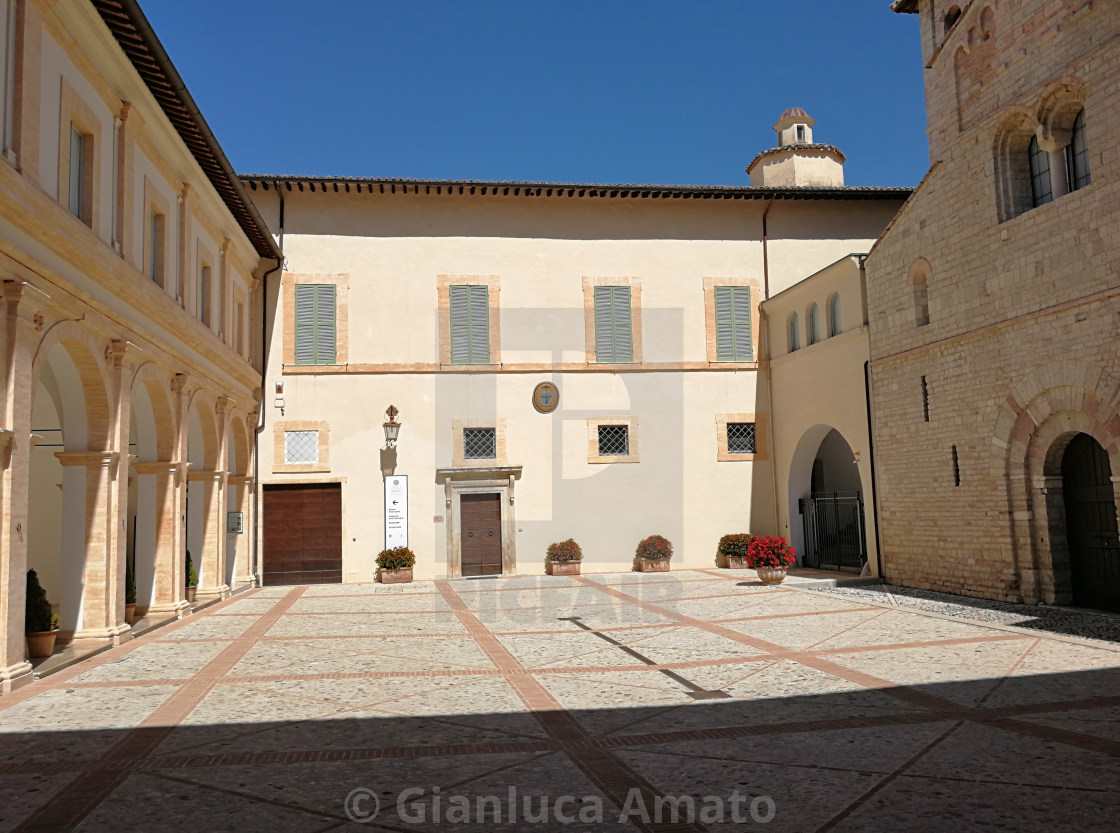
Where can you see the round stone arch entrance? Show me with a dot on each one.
(1040, 420)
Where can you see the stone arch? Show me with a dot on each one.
(1041, 415)
(202, 428)
(86, 354)
(238, 457)
(1058, 106)
(1010, 142)
(156, 386)
(919, 277)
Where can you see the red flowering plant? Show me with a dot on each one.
(655, 548)
(770, 551)
(565, 551)
(398, 558)
(736, 545)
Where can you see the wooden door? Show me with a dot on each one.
(481, 534)
(1091, 528)
(302, 540)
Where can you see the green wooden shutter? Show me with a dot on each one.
(460, 324)
(325, 324)
(305, 324)
(479, 325)
(733, 324)
(614, 340)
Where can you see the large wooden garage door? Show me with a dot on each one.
(481, 534)
(302, 541)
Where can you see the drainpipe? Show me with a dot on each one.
(765, 255)
(264, 395)
(870, 429)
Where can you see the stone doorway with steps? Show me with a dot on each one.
(480, 510)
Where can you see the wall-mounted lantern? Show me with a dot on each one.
(392, 427)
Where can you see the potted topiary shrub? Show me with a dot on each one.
(395, 565)
(733, 549)
(770, 557)
(192, 578)
(40, 624)
(129, 591)
(564, 558)
(654, 553)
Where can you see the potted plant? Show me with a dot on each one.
(395, 565)
(654, 553)
(733, 549)
(40, 623)
(770, 557)
(192, 578)
(564, 558)
(129, 591)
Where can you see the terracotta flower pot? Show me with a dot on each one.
(41, 644)
(655, 565)
(190, 594)
(130, 613)
(736, 562)
(563, 568)
(771, 575)
(401, 576)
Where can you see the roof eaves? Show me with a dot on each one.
(138, 41)
(803, 147)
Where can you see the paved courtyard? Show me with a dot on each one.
(550, 700)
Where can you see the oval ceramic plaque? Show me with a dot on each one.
(546, 396)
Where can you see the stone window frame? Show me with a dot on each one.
(635, 284)
(593, 456)
(156, 204)
(205, 258)
(74, 111)
(459, 459)
(493, 283)
(710, 332)
(239, 340)
(284, 425)
(341, 282)
(761, 437)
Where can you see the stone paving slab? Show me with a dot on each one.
(834, 712)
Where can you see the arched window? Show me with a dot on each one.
(794, 333)
(814, 324)
(1041, 190)
(1077, 155)
(834, 328)
(951, 17)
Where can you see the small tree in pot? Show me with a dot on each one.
(395, 565)
(40, 624)
(564, 558)
(733, 549)
(192, 578)
(654, 553)
(129, 591)
(771, 556)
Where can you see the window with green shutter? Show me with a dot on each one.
(315, 323)
(470, 324)
(733, 324)
(614, 340)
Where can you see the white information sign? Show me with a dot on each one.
(396, 511)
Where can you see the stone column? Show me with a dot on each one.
(169, 594)
(102, 566)
(19, 339)
(212, 563)
(240, 486)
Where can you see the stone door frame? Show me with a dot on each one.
(493, 480)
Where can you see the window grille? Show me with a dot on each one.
(301, 446)
(614, 441)
(740, 438)
(480, 443)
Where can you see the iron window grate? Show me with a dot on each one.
(480, 443)
(614, 441)
(301, 446)
(740, 438)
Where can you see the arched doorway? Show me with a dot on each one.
(834, 534)
(1091, 526)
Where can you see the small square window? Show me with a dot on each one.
(614, 441)
(740, 438)
(301, 447)
(480, 443)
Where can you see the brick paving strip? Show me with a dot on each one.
(610, 775)
(905, 693)
(78, 799)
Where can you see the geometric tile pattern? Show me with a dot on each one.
(276, 708)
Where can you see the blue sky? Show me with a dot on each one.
(637, 91)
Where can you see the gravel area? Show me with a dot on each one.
(1060, 620)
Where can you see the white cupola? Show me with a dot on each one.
(797, 161)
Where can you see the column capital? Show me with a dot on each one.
(215, 476)
(89, 459)
(240, 480)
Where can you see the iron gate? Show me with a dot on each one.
(834, 533)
